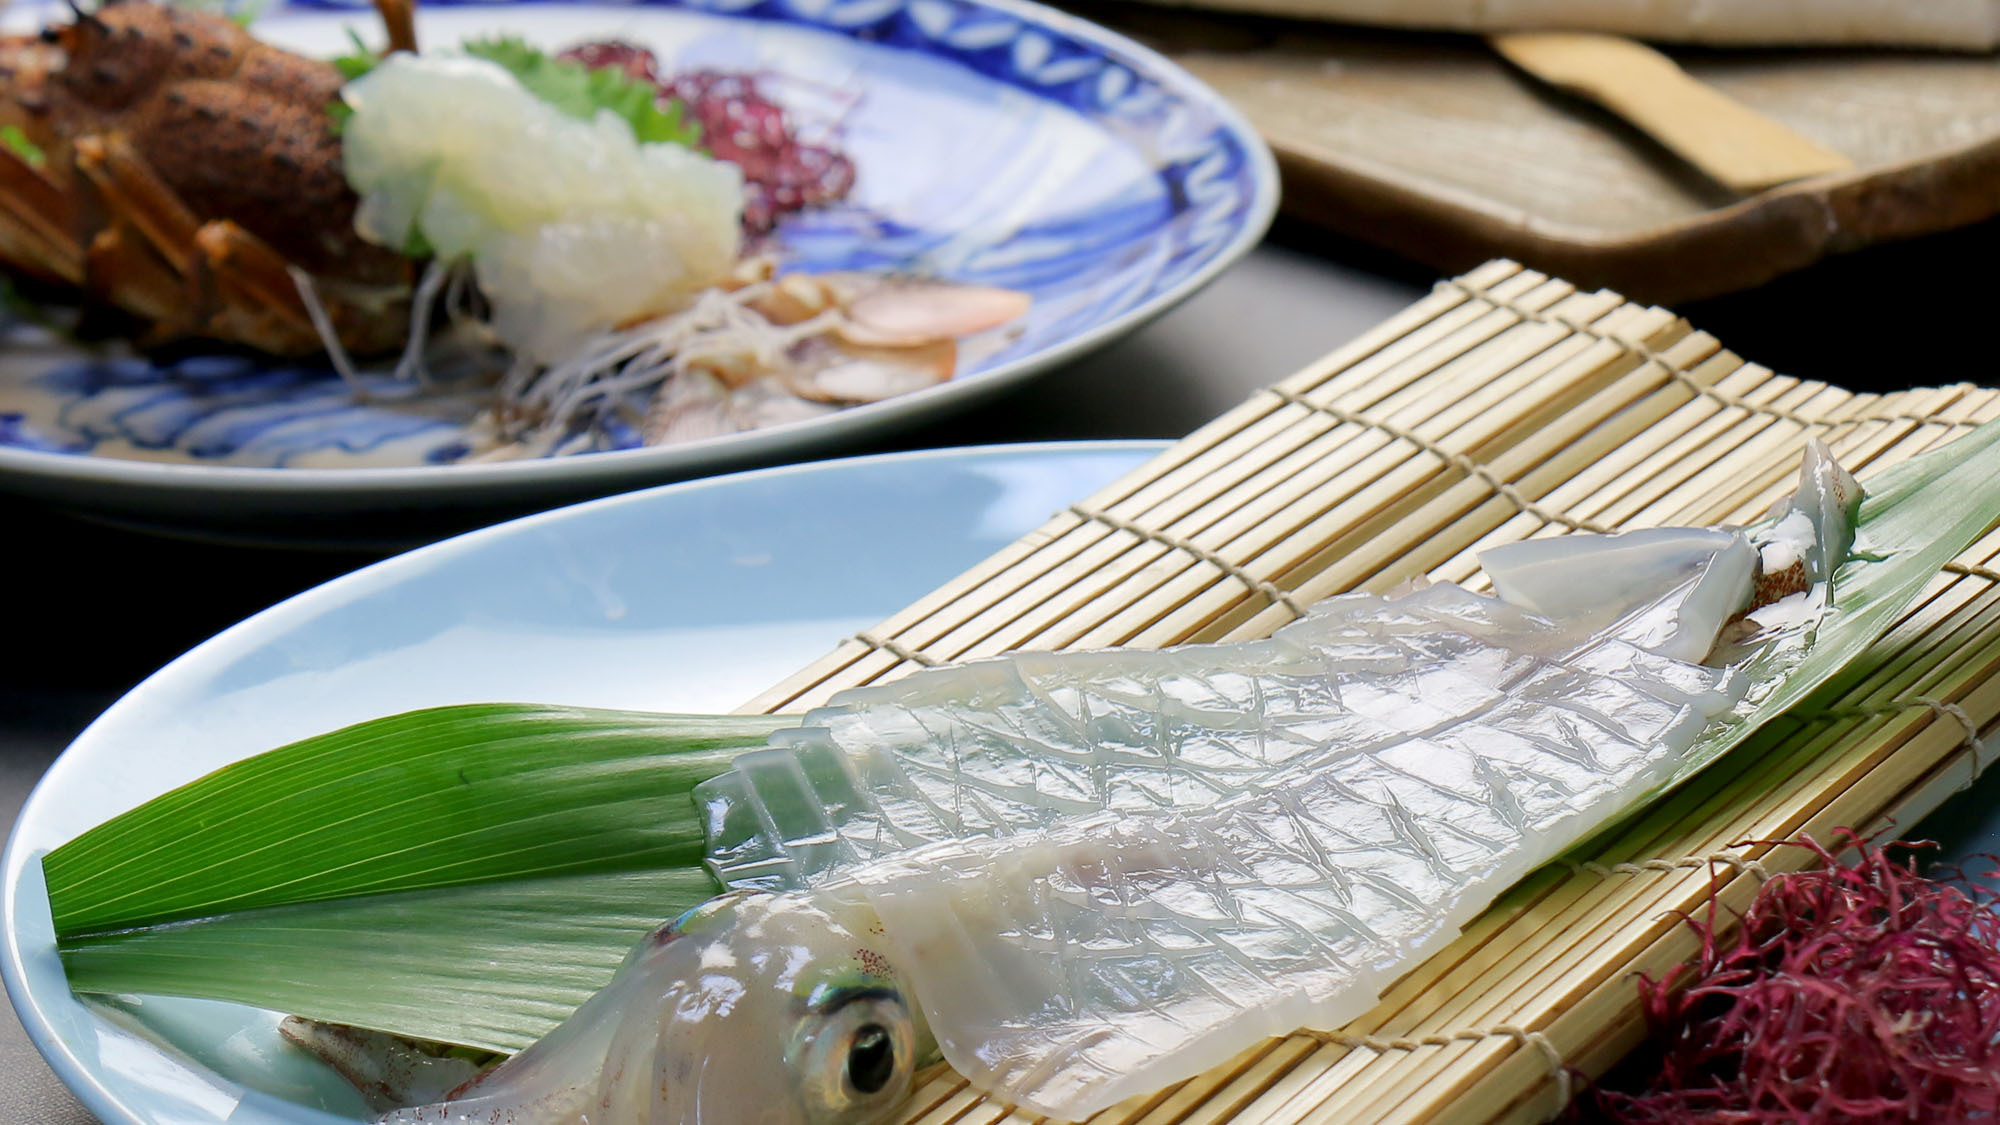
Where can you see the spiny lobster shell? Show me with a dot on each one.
(175, 136)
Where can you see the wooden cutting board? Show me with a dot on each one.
(1431, 146)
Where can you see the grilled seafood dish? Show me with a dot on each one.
(545, 227)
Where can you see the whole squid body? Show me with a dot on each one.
(1082, 877)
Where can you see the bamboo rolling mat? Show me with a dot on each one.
(1505, 405)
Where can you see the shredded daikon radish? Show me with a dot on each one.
(572, 227)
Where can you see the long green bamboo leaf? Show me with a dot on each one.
(463, 873)
(439, 797)
(1914, 518)
(492, 965)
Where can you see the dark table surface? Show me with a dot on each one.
(98, 609)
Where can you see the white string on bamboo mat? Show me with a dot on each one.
(1677, 374)
(1270, 591)
(1975, 744)
(897, 649)
(1502, 487)
(1278, 595)
(1558, 1066)
(1655, 866)
(1971, 571)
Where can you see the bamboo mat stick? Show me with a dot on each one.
(1277, 546)
(1386, 501)
(1365, 560)
(1620, 499)
(1504, 405)
(1501, 359)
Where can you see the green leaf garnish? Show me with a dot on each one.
(1915, 516)
(242, 13)
(351, 66)
(581, 91)
(465, 874)
(571, 87)
(18, 143)
(358, 61)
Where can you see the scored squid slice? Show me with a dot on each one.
(1084, 876)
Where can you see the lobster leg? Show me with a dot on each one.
(128, 239)
(41, 234)
(37, 223)
(399, 21)
(231, 284)
(256, 300)
(121, 269)
(131, 192)
(142, 255)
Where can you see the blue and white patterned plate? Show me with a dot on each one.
(996, 141)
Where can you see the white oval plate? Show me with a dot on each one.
(688, 597)
(996, 141)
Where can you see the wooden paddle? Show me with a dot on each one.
(1731, 143)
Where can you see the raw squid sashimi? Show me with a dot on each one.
(1388, 764)
(1015, 744)
(1113, 955)
(1086, 877)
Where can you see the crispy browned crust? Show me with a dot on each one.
(38, 221)
(174, 139)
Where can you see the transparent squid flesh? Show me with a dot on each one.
(1087, 876)
(751, 1010)
(1012, 745)
(1571, 578)
(1115, 954)
(1813, 526)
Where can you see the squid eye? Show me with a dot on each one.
(856, 1056)
(871, 1059)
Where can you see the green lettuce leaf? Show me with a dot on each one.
(18, 143)
(581, 91)
(359, 60)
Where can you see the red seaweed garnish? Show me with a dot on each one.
(1851, 994)
(782, 171)
(636, 61)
